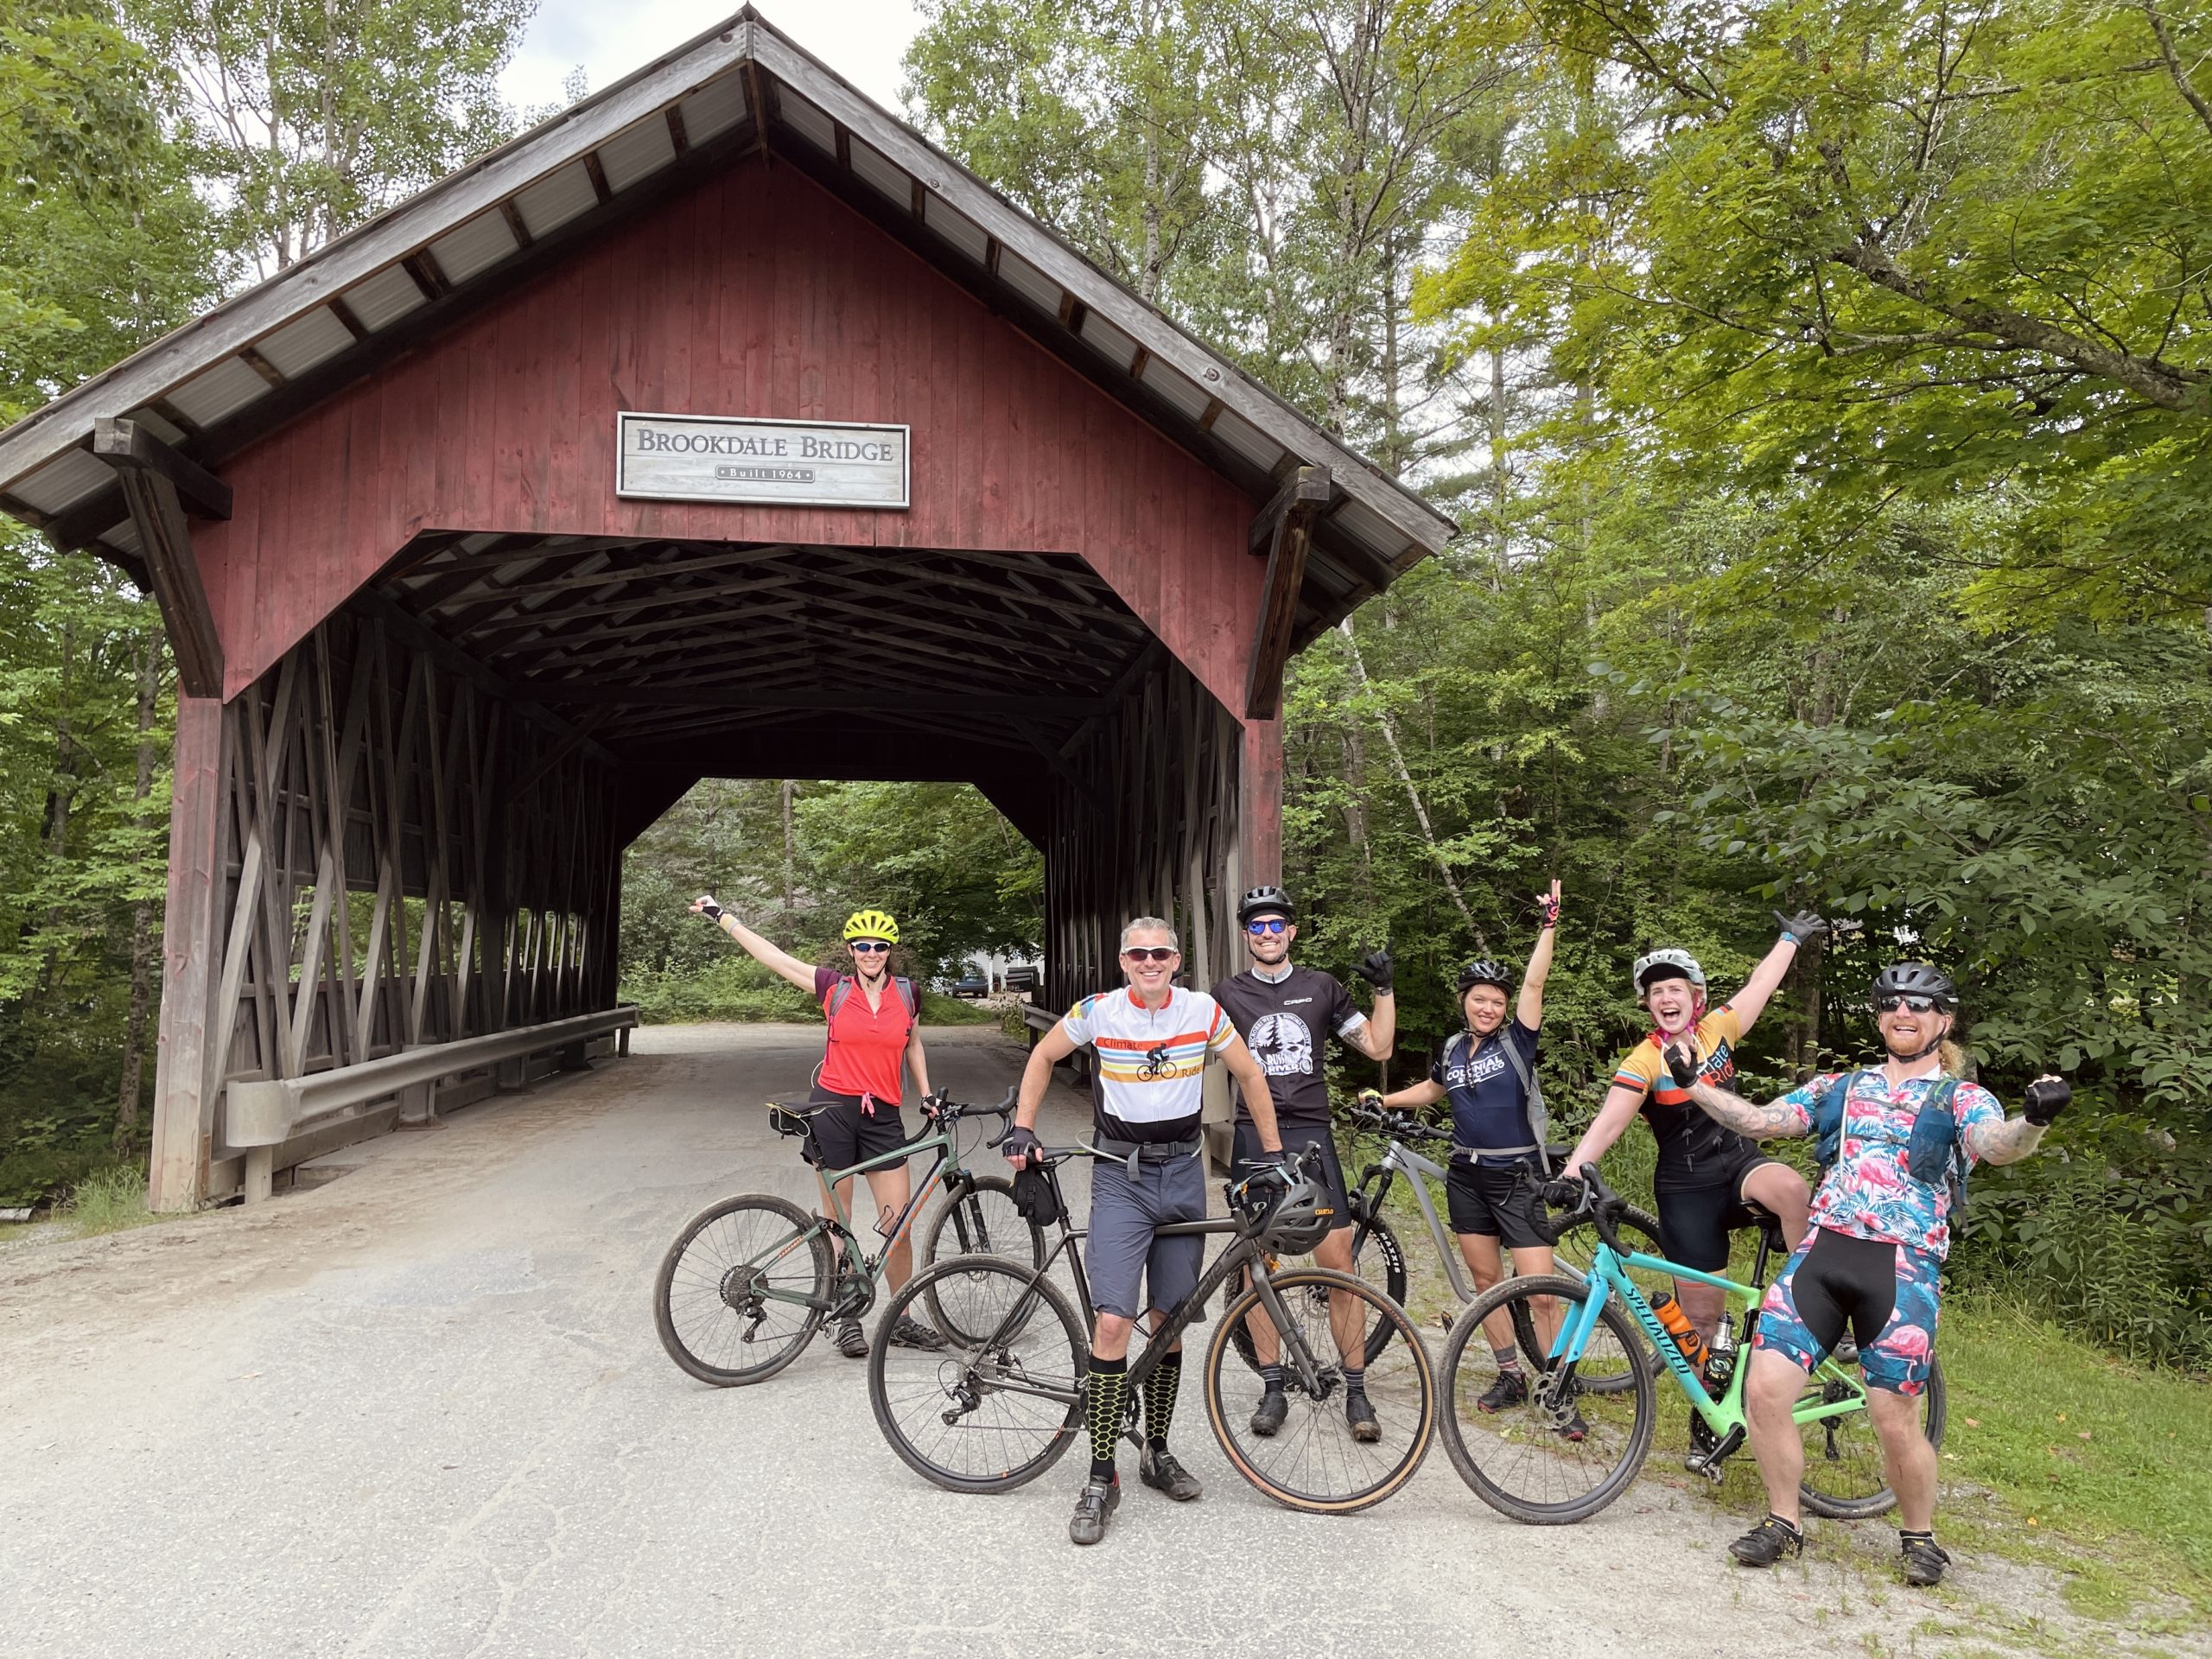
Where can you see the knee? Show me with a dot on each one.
(1113, 1330)
(1774, 1384)
(1334, 1250)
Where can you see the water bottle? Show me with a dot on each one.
(1687, 1336)
(1720, 1362)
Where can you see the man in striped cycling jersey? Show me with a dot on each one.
(1152, 1039)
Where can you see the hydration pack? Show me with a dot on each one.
(842, 990)
(1936, 1151)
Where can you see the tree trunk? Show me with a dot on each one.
(142, 911)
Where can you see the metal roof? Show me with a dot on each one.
(257, 360)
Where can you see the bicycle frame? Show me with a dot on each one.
(1402, 1159)
(1607, 1279)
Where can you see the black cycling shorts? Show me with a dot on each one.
(1249, 1154)
(841, 1134)
(1492, 1201)
(1695, 1226)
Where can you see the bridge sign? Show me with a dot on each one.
(776, 463)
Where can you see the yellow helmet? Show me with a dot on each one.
(871, 924)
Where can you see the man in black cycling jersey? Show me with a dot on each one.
(1152, 1040)
(1286, 1015)
(1896, 1139)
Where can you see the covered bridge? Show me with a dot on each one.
(720, 427)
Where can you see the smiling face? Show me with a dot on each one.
(1269, 950)
(1908, 1033)
(871, 957)
(1485, 1007)
(1149, 977)
(1672, 1002)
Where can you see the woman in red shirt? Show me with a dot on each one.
(874, 1033)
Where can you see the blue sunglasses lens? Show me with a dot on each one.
(1273, 924)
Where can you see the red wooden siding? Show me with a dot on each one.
(757, 294)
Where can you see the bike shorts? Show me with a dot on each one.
(1123, 1250)
(1694, 1225)
(1889, 1294)
(1249, 1156)
(841, 1134)
(1492, 1201)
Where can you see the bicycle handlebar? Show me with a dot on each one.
(1599, 1205)
(1399, 1125)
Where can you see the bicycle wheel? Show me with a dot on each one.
(1514, 1443)
(1377, 1260)
(1311, 1462)
(990, 1415)
(1844, 1479)
(1639, 1230)
(979, 1217)
(743, 1290)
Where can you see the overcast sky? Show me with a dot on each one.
(861, 39)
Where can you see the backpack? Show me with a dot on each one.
(1936, 1151)
(842, 990)
(1540, 1120)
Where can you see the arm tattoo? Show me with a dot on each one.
(1734, 1112)
(2004, 1143)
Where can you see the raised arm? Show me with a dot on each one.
(2010, 1140)
(1759, 988)
(771, 956)
(1379, 1036)
(1530, 1010)
(1778, 1120)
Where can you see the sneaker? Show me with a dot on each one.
(1092, 1505)
(1361, 1415)
(1157, 1468)
(910, 1332)
(1512, 1389)
(1925, 1561)
(1773, 1539)
(1268, 1415)
(852, 1341)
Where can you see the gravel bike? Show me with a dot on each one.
(750, 1279)
(1004, 1400)
(1526, 1460)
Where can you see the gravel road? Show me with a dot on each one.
(422, 1410)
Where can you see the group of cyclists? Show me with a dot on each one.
(1894, 1139)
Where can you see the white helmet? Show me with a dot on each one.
(1682, 964)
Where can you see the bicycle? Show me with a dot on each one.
(1501, 1455)
(1379, 1258)
(1002, 1404)
(751, 1278)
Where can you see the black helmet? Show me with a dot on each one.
(1261, 900)
(1915, 979)
(1485, 972)
(1302, 1220)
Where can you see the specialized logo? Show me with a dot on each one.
(1283, 1046)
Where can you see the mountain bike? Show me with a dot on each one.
(750, 1279)
(1380, 1259)
(1004, 1400)
(1573, 1444)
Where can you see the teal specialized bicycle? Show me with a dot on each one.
(1583, 1424)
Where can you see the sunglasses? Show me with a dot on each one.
(1910, 1004)
(868, 947)
(1150, 952)
(1269, 925)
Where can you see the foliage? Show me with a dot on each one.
(108, 1200)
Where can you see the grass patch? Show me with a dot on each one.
(2084, 1446)
(107, 1201)
(937, 1010)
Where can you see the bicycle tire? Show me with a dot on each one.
(1834, 1506)
(1639, 1230)
(695, 1288)
(980, 1217)
(1402, 1391)
(1378, 1260)
(906, 1387)
(1527, 1433)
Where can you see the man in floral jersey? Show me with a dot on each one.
(1873, 1260)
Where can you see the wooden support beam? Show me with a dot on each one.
(189, 1059)
(421, 267)
(516, 225)
(1288, 521)
(561, 694)
(123, 443)
(597, 173)
(146, 469)
(1308, 488)
(676, 134)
